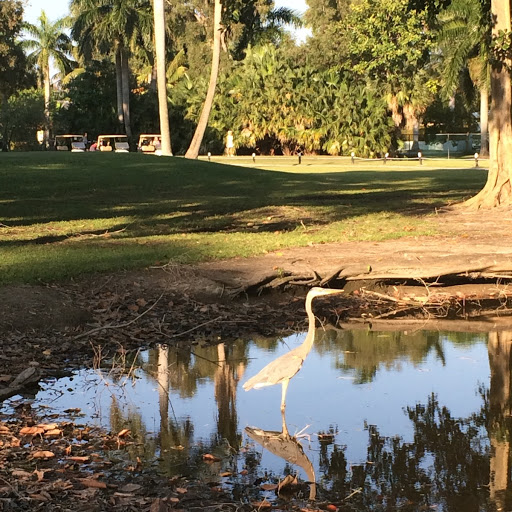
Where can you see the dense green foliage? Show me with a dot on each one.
(371, 71)
(13, 70)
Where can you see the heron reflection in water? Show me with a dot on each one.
(287, 447)
(286, 366)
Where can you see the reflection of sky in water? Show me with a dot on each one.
(319, 396)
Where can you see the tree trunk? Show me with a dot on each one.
(126, 92)
(163, 110)
(193, 150)
(46, 78)
(498, 189)
(412, 126)
(499, 347)
(5, 139)
(119, 86)
(484, 122)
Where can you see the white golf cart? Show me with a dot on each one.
(116, 143)
(150, 143)
(73, 143)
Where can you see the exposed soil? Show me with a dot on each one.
(52, 326)
(46, 329)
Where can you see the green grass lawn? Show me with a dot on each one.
(64, 215)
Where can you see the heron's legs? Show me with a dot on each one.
(283, 394)
(285, 428)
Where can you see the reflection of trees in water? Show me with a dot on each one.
(453, 463)
(225, 380)
(182, 371)
(366, 351)
(446, 465)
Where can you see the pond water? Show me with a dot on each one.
(417, 420)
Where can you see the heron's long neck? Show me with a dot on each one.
(311, 325)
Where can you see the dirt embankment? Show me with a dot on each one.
(464, 272)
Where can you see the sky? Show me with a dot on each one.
(58, 8)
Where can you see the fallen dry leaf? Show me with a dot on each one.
(158, 505)
(123, 432)
(130, 488)
(90, 482)
(41, 497)
(76, 458)
(262, 504)
(40, 474)
(47, 426)
(181, 490)
(269, 487)
(56, 432)
(19, 473)
(43, 454)
(208, 457)
(31, 431)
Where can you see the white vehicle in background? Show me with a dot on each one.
(73, 143)
(150, 143)
(116, 143)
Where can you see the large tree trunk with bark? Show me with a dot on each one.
(193, 150)
(498, 189)
(125, 68)
(163, 111)
(46, 79)
(119, 87)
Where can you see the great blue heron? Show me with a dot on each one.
(285, 367)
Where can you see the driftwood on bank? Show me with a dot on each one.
(454, 290)
(25, 379)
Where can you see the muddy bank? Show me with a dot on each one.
(464, 273)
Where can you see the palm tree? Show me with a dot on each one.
(114, 27)
(193, 150)
(49, 45)
(255, 29)
(464, 42)
(159, 21)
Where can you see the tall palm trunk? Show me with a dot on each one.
(126, 91)
(498, 188)
(484, 122)
(163, 110)
(193, 150)
(119, 86)
(46, 79)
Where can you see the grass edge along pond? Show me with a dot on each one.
(67, 215)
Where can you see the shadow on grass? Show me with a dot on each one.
(171, 195)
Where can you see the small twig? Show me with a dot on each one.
(392, 299)
(13, 489)
(353, 493)
(119, 326)
(192, 329)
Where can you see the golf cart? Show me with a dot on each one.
(117, 143)
(150, 143)
(73, 143)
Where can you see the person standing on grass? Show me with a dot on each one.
(230, 144)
